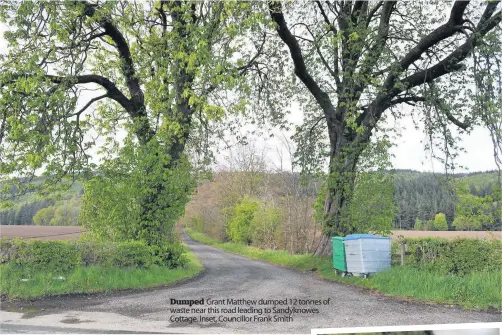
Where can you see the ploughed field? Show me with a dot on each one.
(71, 232)
(448, 234)
(41, 232)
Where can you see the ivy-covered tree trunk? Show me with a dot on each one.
(345, 153)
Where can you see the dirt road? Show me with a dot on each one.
(228, 276)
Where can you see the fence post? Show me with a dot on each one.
(403, 250)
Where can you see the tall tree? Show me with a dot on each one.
(359, 60)
(153, 69)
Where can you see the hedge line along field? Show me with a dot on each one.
(447, 234)
(73, 232)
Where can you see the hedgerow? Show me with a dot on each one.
(458, 256)
(64, 256)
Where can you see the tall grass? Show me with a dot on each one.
(479, 290)
(91, 279)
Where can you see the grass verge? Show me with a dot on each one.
(91, 279)
(481, 290)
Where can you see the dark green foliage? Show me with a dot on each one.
(62, 256)
(423, 195)
(132, 254)
(472, 255)
(458, 256)
(169, 255)
(94, 253)
(57, 256)
(139, 255)
(23, 213)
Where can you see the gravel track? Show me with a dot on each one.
(228, 276)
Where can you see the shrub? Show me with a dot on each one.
(241, 217)
(96, 253)
(132, 254)
(471, 255)
(57, 256)
(44, 216)
(459, 256)
(440, 222)
(7, 250)
(264, 225)
(62, 256)
(419, 225)
(169, 255)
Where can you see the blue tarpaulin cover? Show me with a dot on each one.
(361, 236)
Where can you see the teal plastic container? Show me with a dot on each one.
(339, 261)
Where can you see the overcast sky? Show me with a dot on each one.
(409, 150)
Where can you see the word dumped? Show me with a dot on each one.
(211, 310)
(187, 302)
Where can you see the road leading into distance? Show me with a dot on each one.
(227, 276)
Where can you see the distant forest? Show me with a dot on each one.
(423, 195)
(30, 209)
(417, 195)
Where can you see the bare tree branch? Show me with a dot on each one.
(439, 34)
(452, 61)
(373, 12)
(374, 53)
(89, 103)
(301, 71)
(244, 68)
(132, 82)
(336, 71)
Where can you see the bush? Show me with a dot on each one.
(419, 225)
(7, 250)
(96, 253)
(132, 254)
(57, 256)
(264, 225)
(471, 255)
(62, 256)
(169, 255)
(241, 217)
(440, 222)
(458, 256)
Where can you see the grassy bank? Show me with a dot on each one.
(481, 290)
(91, 279)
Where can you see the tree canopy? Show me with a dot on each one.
(154, 71)
(130, 95)
(357, 61)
